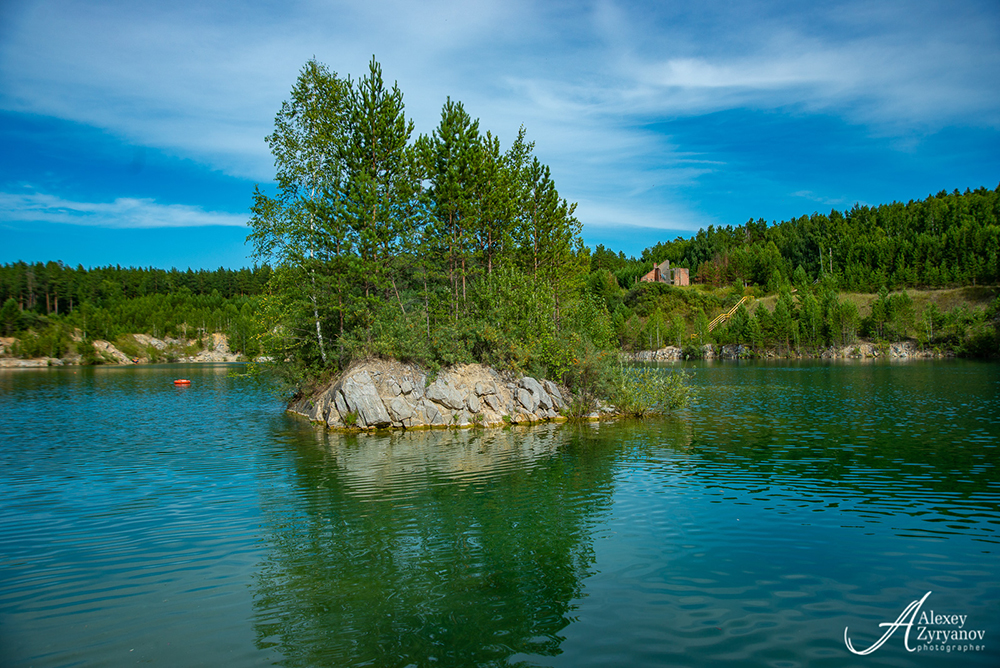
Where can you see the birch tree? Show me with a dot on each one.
(300, 230)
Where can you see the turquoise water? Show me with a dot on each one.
(142, 523)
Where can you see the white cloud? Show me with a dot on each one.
(599, 214)
(204, 80)
(121, 214)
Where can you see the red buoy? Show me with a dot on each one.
(182, 381)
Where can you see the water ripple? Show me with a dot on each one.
(142, 523)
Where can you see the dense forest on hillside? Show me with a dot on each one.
(54, 288)
(910, 258)
(44, 303)
(948, 239)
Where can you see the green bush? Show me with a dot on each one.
(88, 354)
(51, 342)
(589, 378)
(641, 390)
(691, 351)
(581, 405)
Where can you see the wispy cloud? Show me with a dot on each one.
(832, 202)
(205, 82)
(589, 80)
(123, 213)
(599, 214)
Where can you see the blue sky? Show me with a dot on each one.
(133, 133)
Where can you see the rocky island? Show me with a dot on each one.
(387, 394)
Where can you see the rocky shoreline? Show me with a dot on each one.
(859, 350)
(387, 394)
(145, 349)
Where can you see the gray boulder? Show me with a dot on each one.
(554, 392)
(400, 409)
(432, 416)
(527, 399)
(545, 401)
(362, 398)
(445, 395)
(340, 403)
(541, 397)
(495, 402)
(531, 385)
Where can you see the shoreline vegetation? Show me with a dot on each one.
(129, 349)
(448, 249)
(144, 349)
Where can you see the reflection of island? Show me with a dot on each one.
(453, 548)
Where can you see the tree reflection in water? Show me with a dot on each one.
(456, 547)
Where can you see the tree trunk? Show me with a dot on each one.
(398, 300)
(427, 308)
(312, 278)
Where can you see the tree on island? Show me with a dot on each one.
(438, 250)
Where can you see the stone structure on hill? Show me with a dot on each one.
(663, 273)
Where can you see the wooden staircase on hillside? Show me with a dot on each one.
(728, 314)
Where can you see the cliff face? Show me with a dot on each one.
(382, 394)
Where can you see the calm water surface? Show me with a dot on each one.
(142, 523)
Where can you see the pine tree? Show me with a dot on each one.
(381, 187)
(451, 157)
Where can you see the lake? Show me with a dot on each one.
(143, 523)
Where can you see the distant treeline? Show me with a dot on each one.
(946, 240)
(55, 288)
(45, 303)
(491, 268)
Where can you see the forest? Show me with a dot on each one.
(450, 247)
(45, 304)
(945, 240)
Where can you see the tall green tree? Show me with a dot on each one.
(299, 230)
(547, 234)
(381, 185)
(494, 201)
(812, 319)
(451, 157)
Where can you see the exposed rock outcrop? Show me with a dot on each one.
(109, 352)
(24, 364)
(668, 354)
(380, 394)
(216, 350)
(859, 350)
